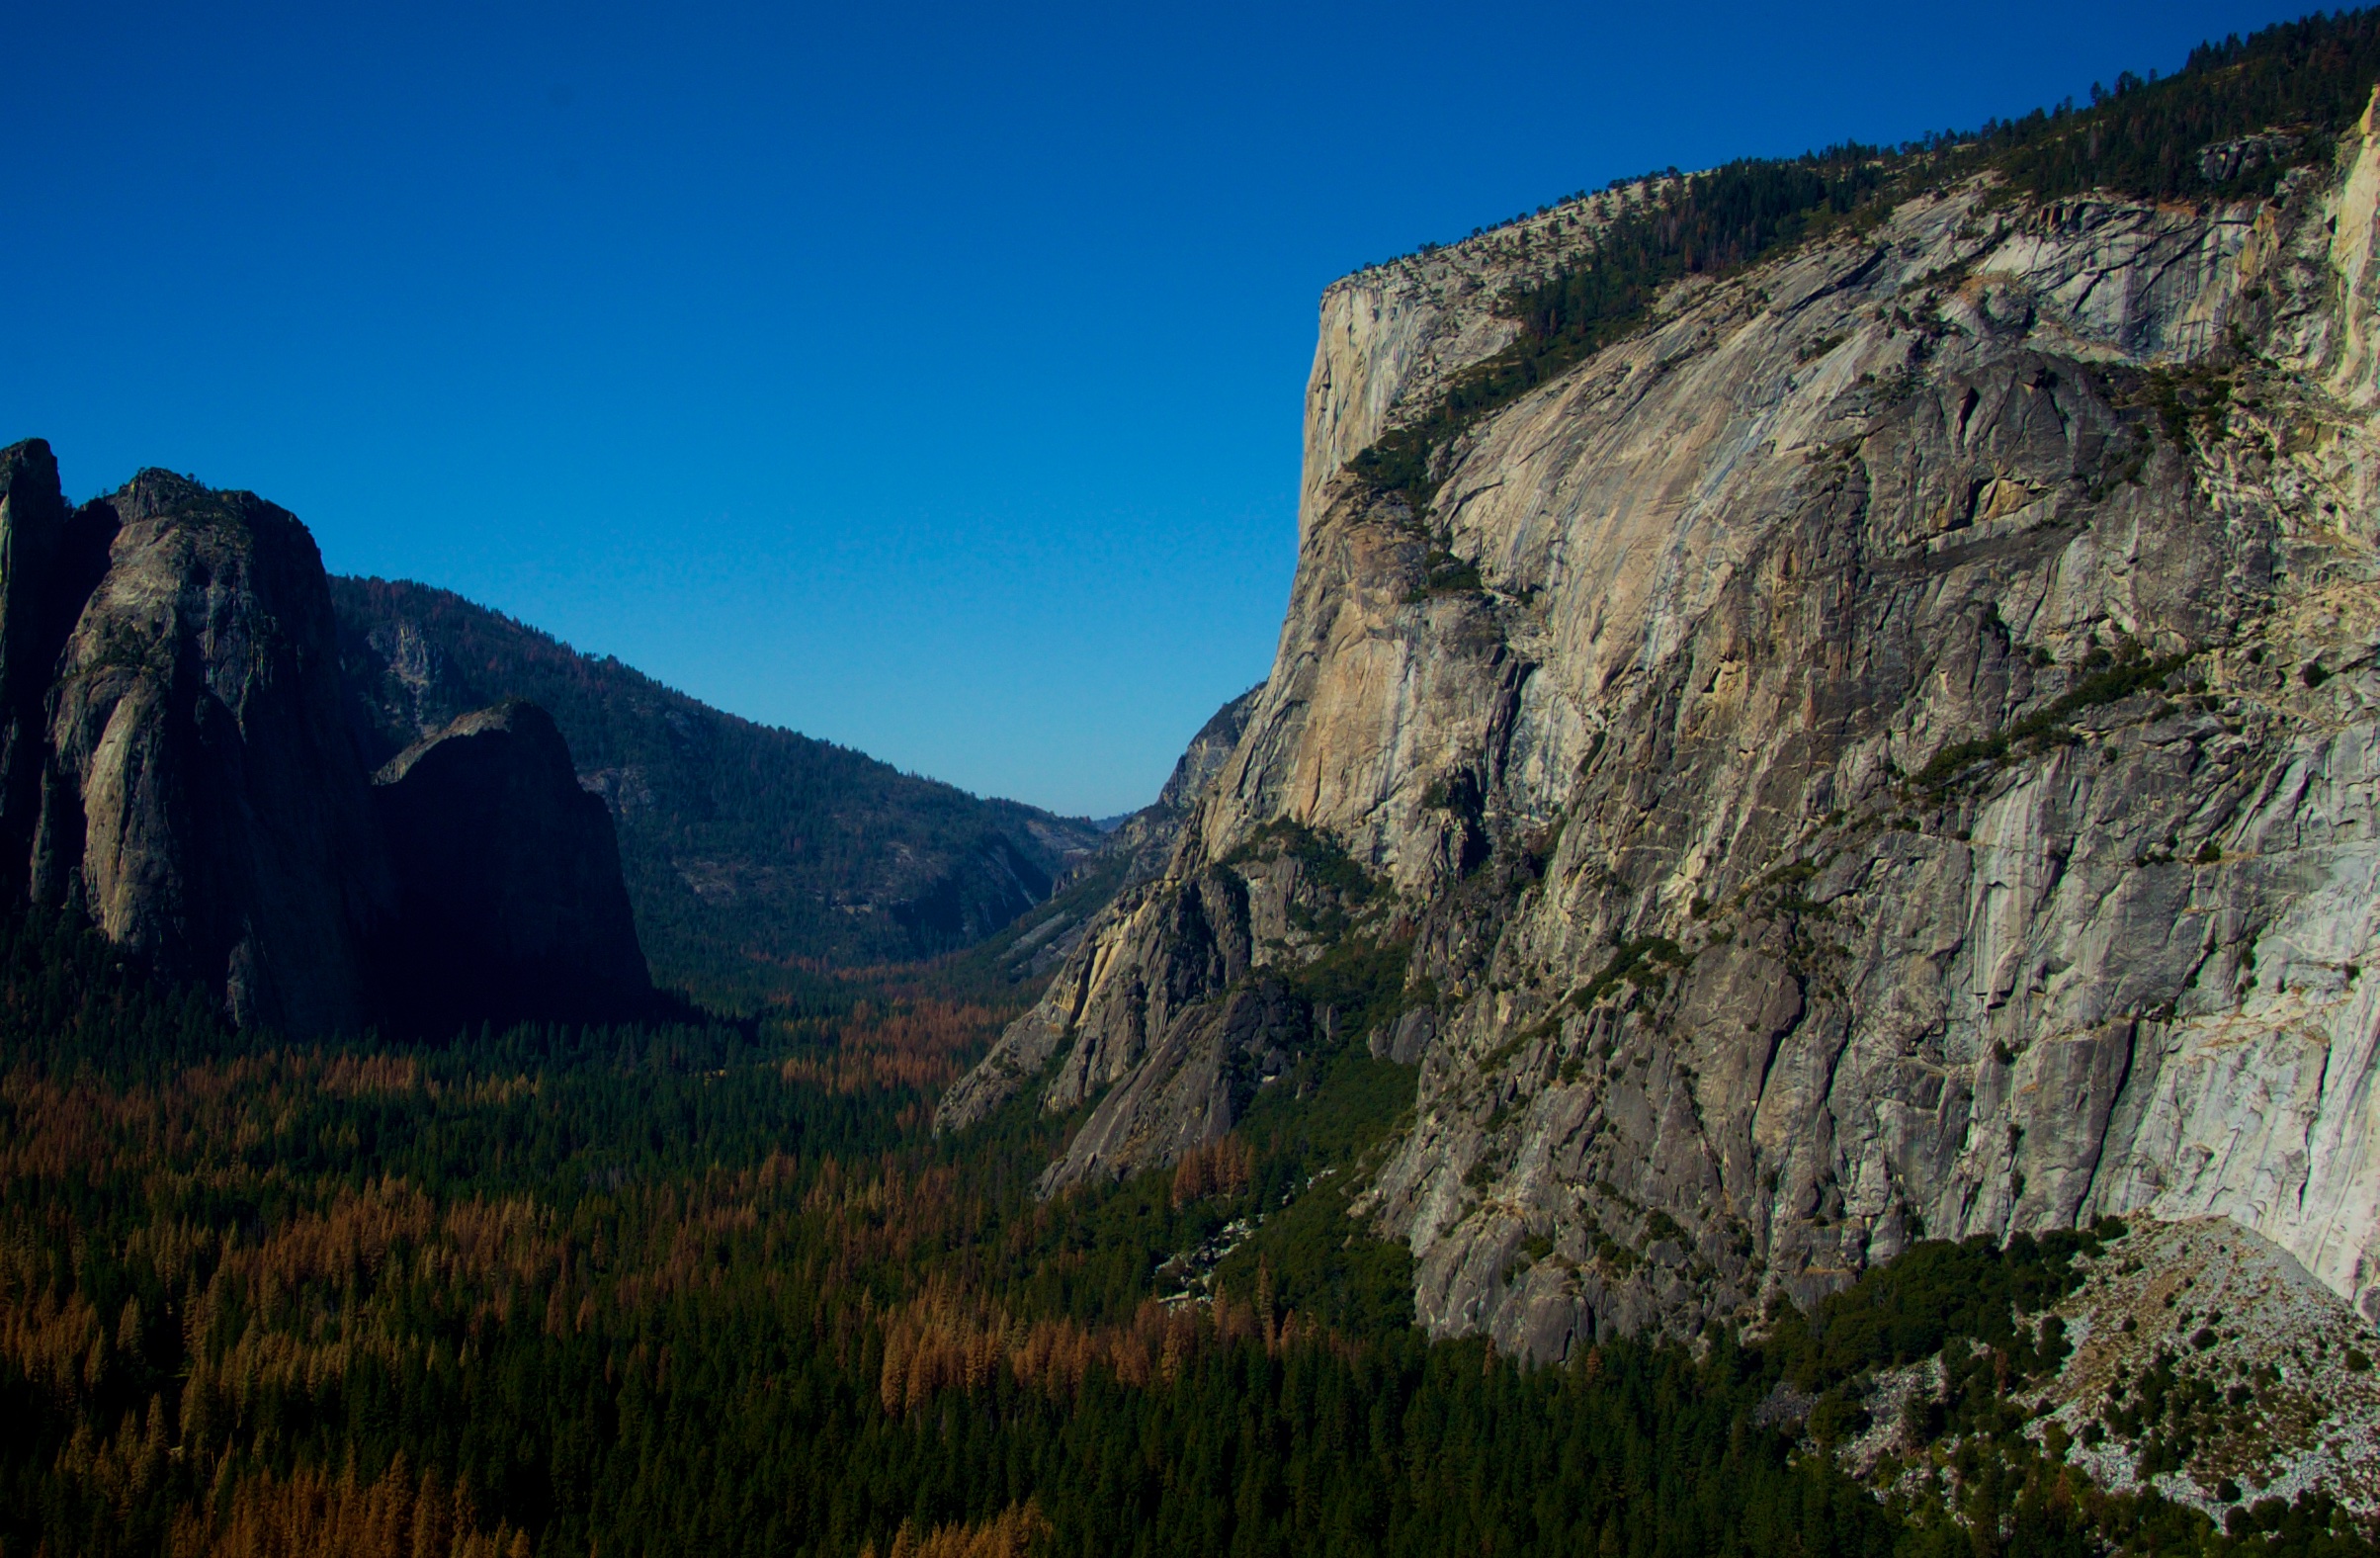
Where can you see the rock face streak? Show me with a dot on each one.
(1907, 767)
(175, 759)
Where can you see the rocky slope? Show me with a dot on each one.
(2266, 1390)
(749, 850)
(176, 759)
(1885, 750)
(2191, 1357)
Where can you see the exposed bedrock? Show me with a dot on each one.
(175, 762)
(1893, 755)
(201, 799)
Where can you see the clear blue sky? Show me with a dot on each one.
(923, 377)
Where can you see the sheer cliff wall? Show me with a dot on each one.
(1899, 760)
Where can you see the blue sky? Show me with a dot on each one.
(924, 378)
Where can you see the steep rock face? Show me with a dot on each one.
(1391, 337)
(511, 903)
(1130, 856)
(37, 608)
(1133, 860)
(1904, 768)
(202, 798)
(176, 759)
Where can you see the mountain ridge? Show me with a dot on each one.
(755, 855)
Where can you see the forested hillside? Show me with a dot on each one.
(709, 1292)
(751, 853)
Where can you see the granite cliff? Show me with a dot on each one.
(511, 906)
(201, 798)
(1884, 747)
(176, 761)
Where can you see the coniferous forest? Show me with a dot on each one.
(717, 1290)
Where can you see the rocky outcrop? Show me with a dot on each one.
(176, 763)
(41, 589)
(1892, 756)
(202, 800)
(1391, 337)
(1121, 878)
(511, 903)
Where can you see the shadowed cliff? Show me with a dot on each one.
(177, 763)
(750, 852)
(510, 902)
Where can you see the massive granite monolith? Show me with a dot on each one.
(203, 801)
(1889, 749)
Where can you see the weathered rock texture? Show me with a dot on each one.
(175, 759)
(511, 901)
(1876, 787)
(1125, 873)
(203, 801)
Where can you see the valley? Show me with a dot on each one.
(1780, 966)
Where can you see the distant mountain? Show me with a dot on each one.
(1144, 839)
(1134, 851)
(753, 855)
